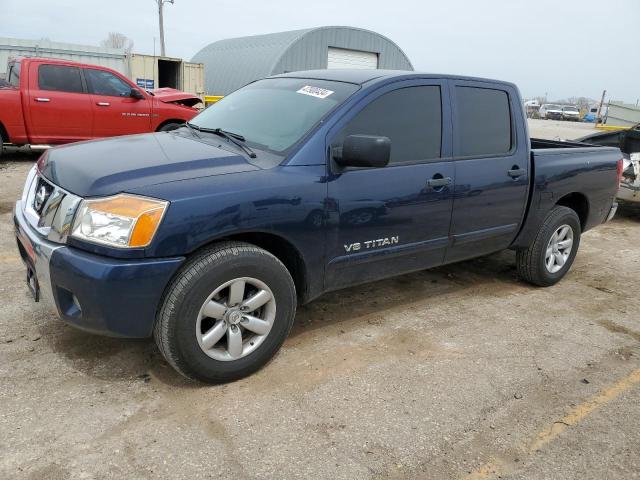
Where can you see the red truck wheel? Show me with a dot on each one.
(169, 126)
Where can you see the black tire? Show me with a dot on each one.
(1, 144)
(175, 327)
(170, 126)
(531, 261)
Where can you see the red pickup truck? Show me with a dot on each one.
(48, 101)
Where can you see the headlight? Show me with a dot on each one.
(123, 221)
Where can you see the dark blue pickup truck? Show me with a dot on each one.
(209, 236)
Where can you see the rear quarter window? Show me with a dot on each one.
(14, 74)
(60, 78)
(484, 121)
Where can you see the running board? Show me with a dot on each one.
(38, 147)
(35, 148)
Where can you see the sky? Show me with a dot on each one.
(562, 48)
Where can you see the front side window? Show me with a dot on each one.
(60, 78)
(410, 117)
(275, 113)
(106, 83)
(484, 121)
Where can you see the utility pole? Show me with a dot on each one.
(604, 92)
(161, 20)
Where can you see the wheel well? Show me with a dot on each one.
(166, 122)
(579, 204)
(283, 250)
(4, 136)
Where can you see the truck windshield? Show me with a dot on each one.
(274, 114)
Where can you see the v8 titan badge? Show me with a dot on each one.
(315, 91)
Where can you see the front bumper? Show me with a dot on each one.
(94, 293)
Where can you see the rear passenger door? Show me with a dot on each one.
(59, 107)
(492, 168)
(115, 111)
(395, 219)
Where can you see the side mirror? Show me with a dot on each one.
(365, 151)
(137, 94)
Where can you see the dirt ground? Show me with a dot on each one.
(558, 130)
(458, 372)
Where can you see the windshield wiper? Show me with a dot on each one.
(192, 128)
(234, 138)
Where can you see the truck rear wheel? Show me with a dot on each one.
(226, 313)
(551, 255)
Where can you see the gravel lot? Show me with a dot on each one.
(458, 372)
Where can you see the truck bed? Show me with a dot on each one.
(563, 169)
(542, 143)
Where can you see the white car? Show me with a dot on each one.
(550, 111)
(571, 113)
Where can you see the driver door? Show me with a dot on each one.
(395, 219)
(115, 111)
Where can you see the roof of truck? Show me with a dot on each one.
(362, 76)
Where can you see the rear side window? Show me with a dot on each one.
(14, 74)
(106, 83)
(60, 78)
(411, 118)
(484, 121)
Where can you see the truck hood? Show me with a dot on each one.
(171, 95)
(120, 164)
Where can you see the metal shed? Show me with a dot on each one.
(234, 62)
(107, 57)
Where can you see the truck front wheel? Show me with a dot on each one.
(226, 313)
(551, 255)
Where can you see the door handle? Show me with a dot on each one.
(42, 99)
(516, 172)
(103, 104)
(439, 181)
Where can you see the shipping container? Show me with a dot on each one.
(150, 72)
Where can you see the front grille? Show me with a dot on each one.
(42, 193)
(48, 208)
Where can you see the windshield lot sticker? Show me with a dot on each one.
(315, 91)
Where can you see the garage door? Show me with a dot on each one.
(343, 58)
